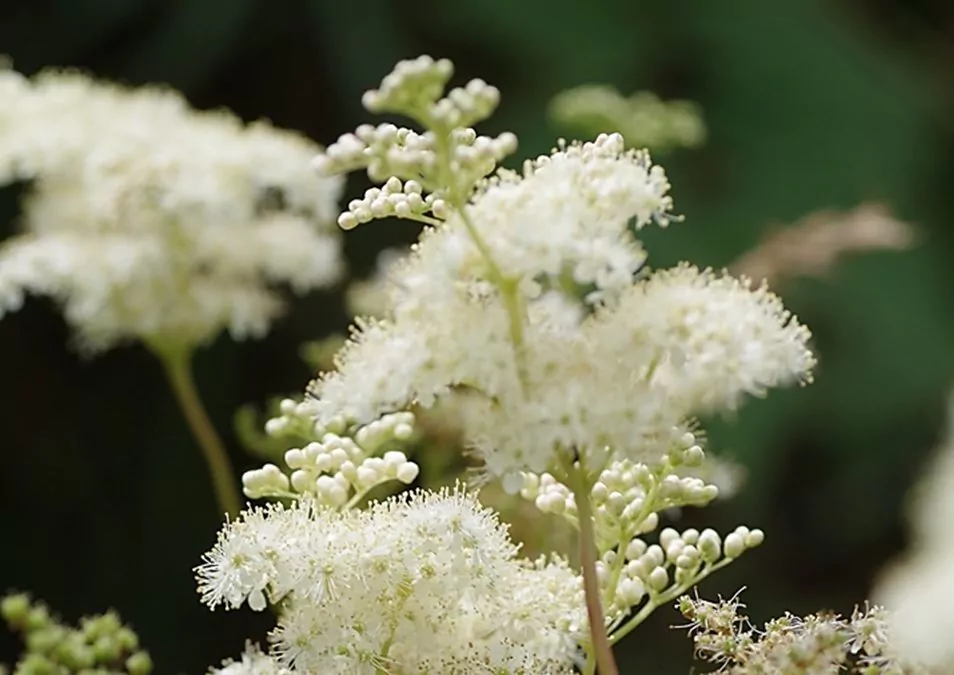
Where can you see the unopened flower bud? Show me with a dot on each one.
(658, 579)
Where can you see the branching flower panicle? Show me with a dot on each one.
(625, 358)
(574, 374)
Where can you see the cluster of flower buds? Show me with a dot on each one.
(685, 450)
(414, 89)
(101, 644)
(413, 84)
(676, 562)
(626, 497)
(296, 419)
(447, 158)
(394, 198)
(340, 468)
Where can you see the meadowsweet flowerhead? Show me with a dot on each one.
(147, 220)
(527, 311)
(526, 299)
(423, 583)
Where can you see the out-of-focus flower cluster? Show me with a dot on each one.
(423, 583)
(100, 645)
(643, 119)
(818, 644)
(919, 588)
(148, 220)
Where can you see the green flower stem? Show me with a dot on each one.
(509, 292)
(602, 649)
(176, 363)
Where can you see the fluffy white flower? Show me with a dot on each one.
(426, 583)
(527, 302)
(569, 212)
(147, 220)
(253, 662)
(715, 337)
(677, 343)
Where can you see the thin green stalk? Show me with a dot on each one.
(509, 291)
(649, 505)
(602, 650)
(177, 366)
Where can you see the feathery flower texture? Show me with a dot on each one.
(528, 293)
(147, 220)
(574, 372)
(426, 583)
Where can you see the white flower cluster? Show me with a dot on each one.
(426, 583)
(148, 220)
(339, 470)
(526, 293)
(525, 307)
(919, 589)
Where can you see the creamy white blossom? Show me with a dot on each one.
(575, 372)
(527, 301)
(148, 220)
(426, 583)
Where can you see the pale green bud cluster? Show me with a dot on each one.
(446, 160)
(414, 89)
(101, 645)
(627, 496)
(295, 420)
(339, 469)
(626, 500)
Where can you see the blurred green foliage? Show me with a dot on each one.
(808, 105)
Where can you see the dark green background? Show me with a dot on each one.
(104, 500)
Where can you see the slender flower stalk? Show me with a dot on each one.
(602, 652)
(178, 369)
